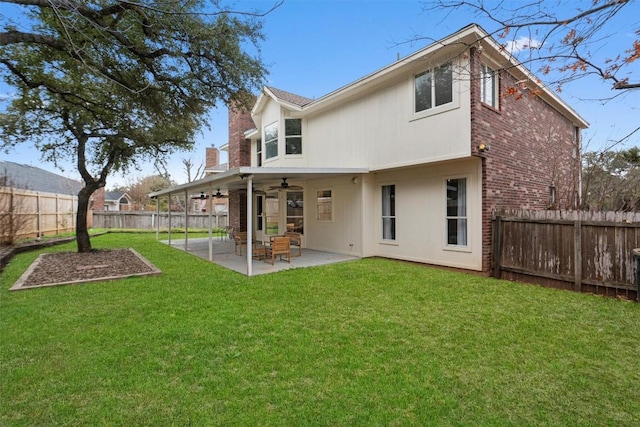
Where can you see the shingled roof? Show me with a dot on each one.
(289, 97)
(114, 196)
(36, 179)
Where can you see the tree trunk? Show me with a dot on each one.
(82, 230)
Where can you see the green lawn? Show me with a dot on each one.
(368, 343)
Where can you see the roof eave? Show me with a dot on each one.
(232, 177)
(466, 36)
(522, 73)
(286, 104)
(338, 94)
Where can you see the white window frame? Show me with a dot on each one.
(432, 72)
(287, 136)
(260, 215)
(411, 92)
(489, 86)
(259, 149)
(458, 217)
(287, 216)
(271, 141)
(318, 197)
(392, 215)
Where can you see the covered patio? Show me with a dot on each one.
(224, 256)
(247, 180)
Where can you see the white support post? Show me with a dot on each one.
(169, 218)
(157, 218)
(249, 225)
(186, 221)
(210, 207)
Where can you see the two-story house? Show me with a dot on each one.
(408, 162)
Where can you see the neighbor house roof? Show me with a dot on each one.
(35, 179)
(115, 196)
(217, 169)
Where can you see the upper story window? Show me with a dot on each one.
(488, 86)
(259, 153)
(293, 136)
(433, 88)
(271, 140)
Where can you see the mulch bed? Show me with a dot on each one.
(64, 268)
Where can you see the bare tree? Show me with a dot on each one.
(192, 175)
(566, 46)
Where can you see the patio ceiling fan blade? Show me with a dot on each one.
(202, 196)
(285, 186)
(219, 195)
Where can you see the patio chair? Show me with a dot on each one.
(239, 240)
(295, 239)
(229, 230)
(279, 246)
(258, 250)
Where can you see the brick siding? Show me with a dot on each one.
(98, 199)
(533, 148)
(212, 157)
(239, 150)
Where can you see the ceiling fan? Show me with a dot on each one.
(285, 186)
(219, 195)
(202, 196)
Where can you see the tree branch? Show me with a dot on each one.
(13, 37)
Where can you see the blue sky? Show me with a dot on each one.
(313, 47)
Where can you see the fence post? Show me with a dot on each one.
(38, 216)
(497, 246)
(636, 258)
(577, 254)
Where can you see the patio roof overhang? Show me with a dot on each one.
(246, 178)
(234, 179)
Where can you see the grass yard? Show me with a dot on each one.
(371, 342)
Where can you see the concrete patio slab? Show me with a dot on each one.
(224, 256)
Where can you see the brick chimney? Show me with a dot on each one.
(240, 121)
(98, 199)
(239, 150)
(212, 158)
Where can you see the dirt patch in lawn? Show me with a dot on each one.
(65, 268)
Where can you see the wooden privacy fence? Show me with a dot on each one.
(581, 251)
(26, 213)
(148, 220)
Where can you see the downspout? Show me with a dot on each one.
(579, 198)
